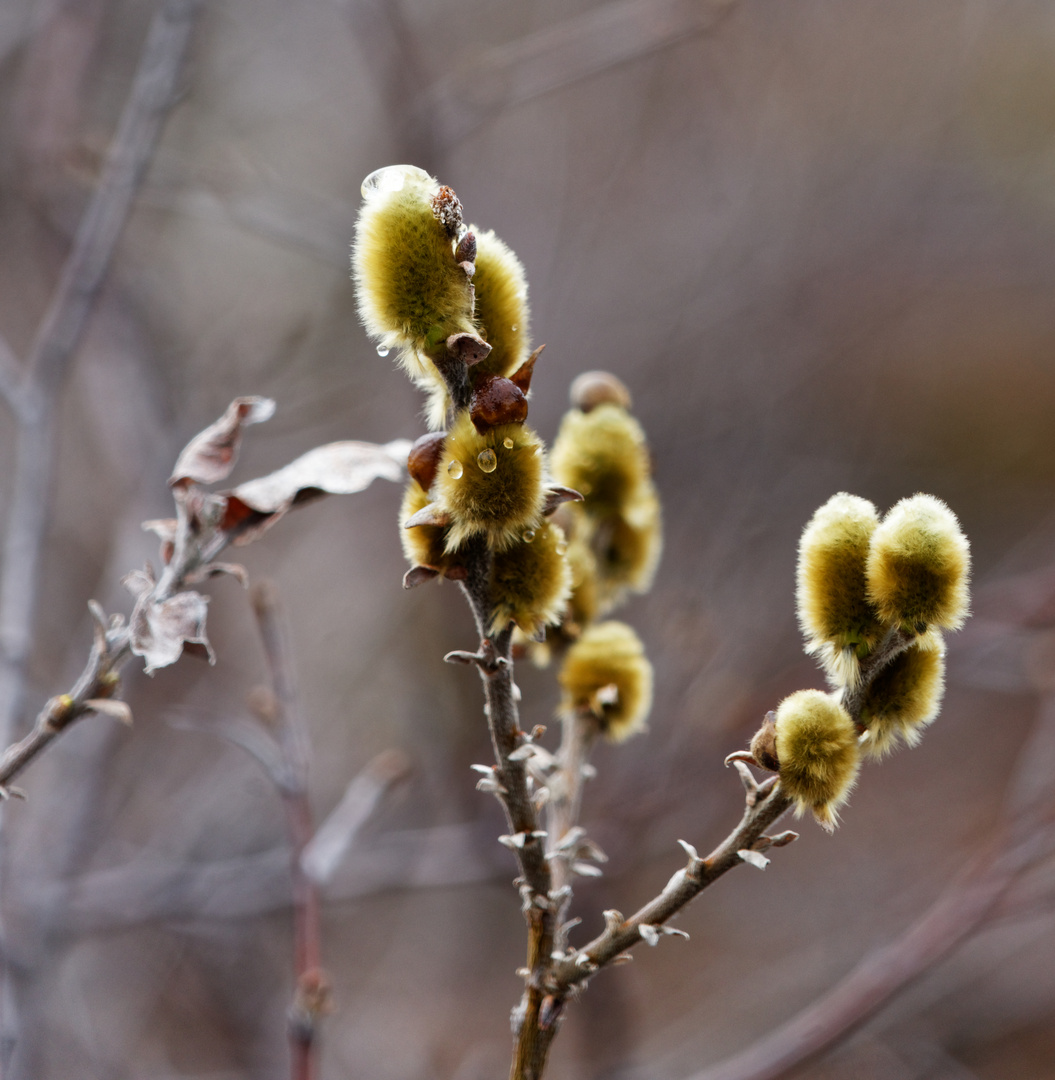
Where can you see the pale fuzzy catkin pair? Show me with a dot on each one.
(859, 579)
(413, 293)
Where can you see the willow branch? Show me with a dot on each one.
(766, 803)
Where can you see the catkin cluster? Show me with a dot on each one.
(452, 301)
(874, 596)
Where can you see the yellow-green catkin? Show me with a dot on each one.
(838, 621)
(627, 547)
(424, 545)
(919, 566)
(603, 455)
(531, 582)
(606, 676)
(491, 483)
(904, 697)
(502, 312)
(412, 294)
(816, 746)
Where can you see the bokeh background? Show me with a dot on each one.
(816, 238)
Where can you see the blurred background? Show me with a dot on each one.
(817, 241)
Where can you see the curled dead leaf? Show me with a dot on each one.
(210, 456)
(339, 468)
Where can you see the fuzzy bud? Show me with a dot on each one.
(607, 676)
(904, 697)
(531, 582)
(593, 388)
(603, 455)
(423, 545)
(490, 483)
(501, 304)
(412, 293)
(840, 624)
(919, 565)
(816, 746)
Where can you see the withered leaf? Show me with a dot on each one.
(158, 631)
(210, 456)
(339, 468)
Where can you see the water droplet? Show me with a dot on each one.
(529, 535)
(487, 460)
(454, 470)
(562, 548)
(392, 178)
(507, 442)
(514, 328)
(383, 350)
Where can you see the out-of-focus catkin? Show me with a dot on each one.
(606, 678)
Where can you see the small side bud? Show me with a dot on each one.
(593, 388)
(466, 249)
(816, 745)
(764, 744)
(447, 209)
(470, 348)
(919, 565)
(608, 655)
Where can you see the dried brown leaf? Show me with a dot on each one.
(339, 468)
(210, 456)
(160, 630)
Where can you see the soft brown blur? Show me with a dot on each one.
(816, 239)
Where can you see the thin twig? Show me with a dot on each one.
(311, 996)
(978, 896)
(151, 96)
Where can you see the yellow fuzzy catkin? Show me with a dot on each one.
(424, 544)
(603, 455)
(904, 697)
(501, 305)
(412, 294)
(919, 565)
(816, 745)
(837, 619)
(584, 601)
(627, 546)
(607, 675)
(489, 487)
(531, 582)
